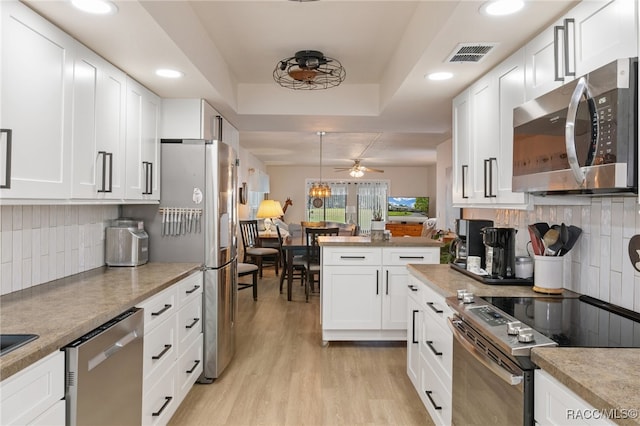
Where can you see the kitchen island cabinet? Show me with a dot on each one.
(364, 285)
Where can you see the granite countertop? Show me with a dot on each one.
(366, 241)
(63, 310)
(607, 378)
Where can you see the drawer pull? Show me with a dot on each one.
(412, 257)
(161, 354)
(436, 310)
(437, 407)
(195, 364)
(353, 257)
(413, 328)
(167, 400)
(413, 287)
(195, 321)
(433, 349)
(195, 287)
(161, 311)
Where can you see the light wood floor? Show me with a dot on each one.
(281, 374)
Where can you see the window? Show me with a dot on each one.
(366, 197)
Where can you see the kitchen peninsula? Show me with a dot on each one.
(364, 285)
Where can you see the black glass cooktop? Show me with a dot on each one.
(578, 322)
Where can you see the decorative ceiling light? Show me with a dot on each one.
(319, 189)
(502, 7)
(356, 173)
(96, 7)
(309, 70)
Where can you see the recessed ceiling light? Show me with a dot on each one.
(436, 76)
(96, 7)
(501, 7)
(168, 73)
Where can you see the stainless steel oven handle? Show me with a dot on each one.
(570, 129)
(504, 375)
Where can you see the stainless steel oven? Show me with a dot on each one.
(580, 137)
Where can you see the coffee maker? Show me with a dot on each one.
(469, 241)
(500, 246)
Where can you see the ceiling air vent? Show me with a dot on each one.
(470, 52)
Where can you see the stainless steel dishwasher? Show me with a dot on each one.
(104, 373)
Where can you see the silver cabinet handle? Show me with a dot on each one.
(557, 54)
(465, 167)
(148, 177)
(570, 132)
(569, 47)
(106, 155)
(7, 170)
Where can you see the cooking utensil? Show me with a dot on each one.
(536, 242)
(551, 241)
(573, 233)
(542, 228)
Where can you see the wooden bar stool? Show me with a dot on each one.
(249, 269)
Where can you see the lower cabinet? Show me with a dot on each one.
(35, 394)
(364, 291)
(172, 348)
(555, 404)
(429, 349)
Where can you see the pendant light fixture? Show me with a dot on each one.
(320, 189)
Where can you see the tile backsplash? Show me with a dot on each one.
(44, 243)
(599, 264)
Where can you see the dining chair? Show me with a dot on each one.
(312, 256)
(298, 265)
(248, 269)
(253, 246)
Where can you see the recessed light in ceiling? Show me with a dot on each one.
(169, 73)
(501, 7)
(438, 76)
(96, 7)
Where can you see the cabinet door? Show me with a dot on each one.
(394, 298)
(98, 132)
(544, 72)
(511, 93)
(604, 32)
(484, 138)
(142, 143)
(37, 77)
(461, 149)
(352, 298)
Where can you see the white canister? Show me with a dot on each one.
(548, 274)
(524, 267)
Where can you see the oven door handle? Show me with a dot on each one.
(503, 374)
(570, 128)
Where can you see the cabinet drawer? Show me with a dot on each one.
(435, 305)
(189, 367)
(189, 322)
(434, 395)
(55, 415)
(436, 346)
(32, 391)
(160, 402)
(352, 256)
(404, 256)
(159, 307)
(159, 351)
(189, 288)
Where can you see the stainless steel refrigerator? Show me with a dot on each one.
(196, 222)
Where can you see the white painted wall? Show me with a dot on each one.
(289, 182)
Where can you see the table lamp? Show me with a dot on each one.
(268, 210)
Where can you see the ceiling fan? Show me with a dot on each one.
(357, 170)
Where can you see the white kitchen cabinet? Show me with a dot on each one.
(173, 346)
(189, 119)
(555, 404)
(430, 349)
(35, 395)
(461, 149)
(364, 291)
(142, 143)
(98, 131)
(35, 103)
(597, 32)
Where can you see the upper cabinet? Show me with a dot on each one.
(189, 119)
(37, 79)
(592, 34)
(461, 148)
(143, 143)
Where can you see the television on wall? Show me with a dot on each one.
(403, 208)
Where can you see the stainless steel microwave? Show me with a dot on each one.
(581, 137)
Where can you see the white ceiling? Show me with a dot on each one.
(385, 112)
